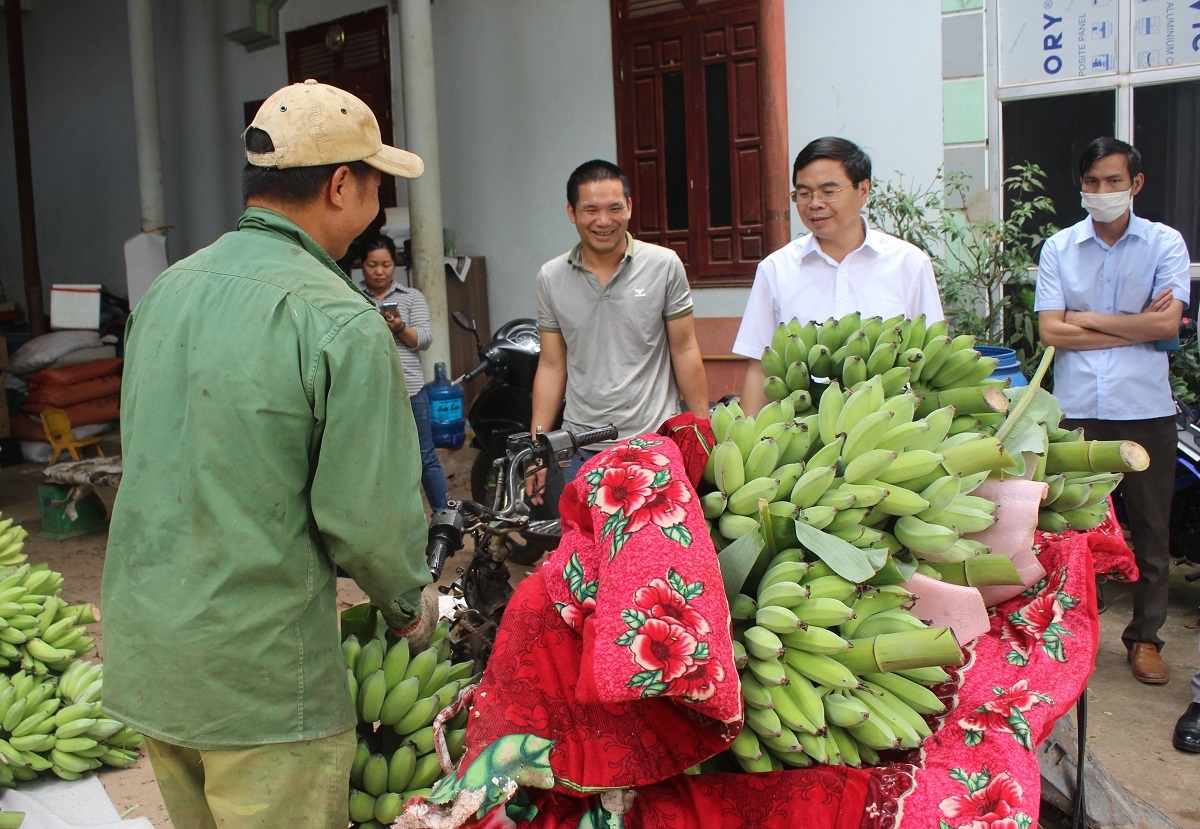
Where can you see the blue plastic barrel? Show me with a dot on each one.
(445, 410)
(1009, 366)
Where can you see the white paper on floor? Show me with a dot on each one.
(62, 804)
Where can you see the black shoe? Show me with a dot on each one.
(1187, 730)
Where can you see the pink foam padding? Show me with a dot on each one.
(1012, 534)
(949, 605)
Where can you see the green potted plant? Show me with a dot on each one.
(982, 265)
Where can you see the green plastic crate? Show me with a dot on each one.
(91, 514)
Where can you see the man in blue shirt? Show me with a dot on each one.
(1107, 288)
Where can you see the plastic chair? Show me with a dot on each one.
(57, 425)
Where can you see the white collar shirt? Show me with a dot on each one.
(884, 276)
(1079, 272)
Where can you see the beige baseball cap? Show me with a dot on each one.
(313, 123)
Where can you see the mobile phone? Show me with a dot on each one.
(392, 308)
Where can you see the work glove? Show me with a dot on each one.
(419, 633)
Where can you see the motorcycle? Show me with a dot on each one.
(504, 406)
(502, 532)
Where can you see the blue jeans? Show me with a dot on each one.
(577, 461)
(433, 479)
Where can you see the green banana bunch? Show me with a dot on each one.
(397, 698)
(12, 543)
(55, 724)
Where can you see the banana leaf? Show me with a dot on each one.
(738, 559)
(843, 558)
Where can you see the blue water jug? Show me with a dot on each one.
(1009, 366)
(445, 410)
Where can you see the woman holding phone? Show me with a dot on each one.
(407, 316)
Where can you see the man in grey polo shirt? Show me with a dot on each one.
(615, 317)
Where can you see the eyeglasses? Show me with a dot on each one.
(802, 195)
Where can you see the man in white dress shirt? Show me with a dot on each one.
(840, 267)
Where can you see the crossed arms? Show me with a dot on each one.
(1091, 330)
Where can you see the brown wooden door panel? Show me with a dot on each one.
(689, 133)
(351, 53)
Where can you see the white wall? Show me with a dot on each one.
(82, 154)
(525, 94)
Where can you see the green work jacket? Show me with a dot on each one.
(266, 435)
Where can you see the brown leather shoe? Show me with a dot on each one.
(1148, 666)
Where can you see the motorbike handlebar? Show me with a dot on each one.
(437, 553)
(595, 435)
(473, 373)
(445, 538)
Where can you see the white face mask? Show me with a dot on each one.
(1106, 207)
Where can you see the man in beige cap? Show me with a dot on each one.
(267, 440)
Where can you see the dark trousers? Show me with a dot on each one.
(1147, 497)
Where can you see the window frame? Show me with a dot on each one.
(1123, 82)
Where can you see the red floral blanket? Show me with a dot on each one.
(612, 676)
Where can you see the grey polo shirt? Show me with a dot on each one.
(618, 356)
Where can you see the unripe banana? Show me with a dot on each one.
(957, 366)
(806, 694)
(812, 485)
(815, 639)
(771, 417)
(755, 694)
(772, 363)
(875, 733)
(901, 709)
(906, 735)
(940, 494)
(388, 807)
(435, 679)
(743, 607)
(371, 694)
(783, 593)
(865, 434)
(1050, 521)
(869, 465)
(866, 495)
(901, 501)
(818, 517)
(785, 478)
(712, 504)
(399, 700)
(820, 668)
(829, 407)
(762, 460)
(722, 416)
(400, 768)
(912, 464)
(733, 526)
(419, 715)
(923, 538)
(745, 745)
(395, 661)
(744, 500)
(776, 619)
(831, 587)
(844, 711)
(889, 621)
(781, 571)
(362, 806)
(762, 642)
(729, 466)
(764, 722)
(915, 695)
(789, 711)
(896, 379)
(822, 612)
(882, 358)
(767, 671)
(964, 519)
(854, 371)
(370, 659)
(796, 349)
(421, 664)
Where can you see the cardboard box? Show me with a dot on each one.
(75, 306)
